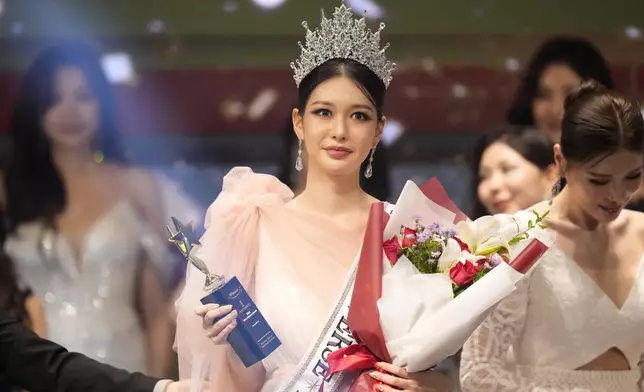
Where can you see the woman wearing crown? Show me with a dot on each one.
(293, 255)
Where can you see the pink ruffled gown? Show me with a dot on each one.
(294, 264)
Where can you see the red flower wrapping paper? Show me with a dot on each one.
(403, 337)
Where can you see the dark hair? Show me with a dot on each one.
(370, 84)
(374, 88)
(577, 53)
(33, 185)
(597, 123)
(533, 145)
(12, 297)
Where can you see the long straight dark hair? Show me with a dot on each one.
(575, 52)
(12, 296)
(33, 186)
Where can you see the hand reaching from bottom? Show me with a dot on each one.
(395, 378)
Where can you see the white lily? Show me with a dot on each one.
(486, 235)
(453, 254)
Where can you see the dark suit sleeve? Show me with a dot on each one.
(39, 365)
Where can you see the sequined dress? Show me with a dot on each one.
(91, 309)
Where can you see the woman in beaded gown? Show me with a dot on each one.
(85, 236)
(576, 323)
(293, 255)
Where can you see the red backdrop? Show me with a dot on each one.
(213, 101)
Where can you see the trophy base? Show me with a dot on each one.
(253, 339)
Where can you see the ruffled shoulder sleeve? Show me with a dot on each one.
(242, 190)
(229, 248)
(229, 244)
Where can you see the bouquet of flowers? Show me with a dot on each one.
(435, 249)
(427, 277)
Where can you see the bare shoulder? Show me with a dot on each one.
(634, 222)
(140, 177)
(141, 188)
(145, 194)
(541, 207)
(141, 184)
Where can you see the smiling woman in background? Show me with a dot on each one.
(513, 170)
(556, 68)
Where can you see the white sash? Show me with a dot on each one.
(309, 373)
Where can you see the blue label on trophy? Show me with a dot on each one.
(253, 339)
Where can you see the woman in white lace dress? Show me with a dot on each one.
(577, 324)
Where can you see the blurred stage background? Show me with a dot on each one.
(203, 85)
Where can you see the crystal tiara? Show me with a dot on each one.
(345, 37)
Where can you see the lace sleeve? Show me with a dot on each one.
(484, 355)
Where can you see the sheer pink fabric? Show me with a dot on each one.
(292, 263)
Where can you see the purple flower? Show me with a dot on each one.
(436, 228)
(423, 236)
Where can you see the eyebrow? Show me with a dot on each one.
(608, 175)
(357, 106)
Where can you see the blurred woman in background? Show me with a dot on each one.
(85, 234)
(513, 170)
(556, 68)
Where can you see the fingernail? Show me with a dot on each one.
(373, 375)
(228, 307)
(380, 388)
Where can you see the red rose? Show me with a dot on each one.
(409, 238)
(463, 245)
(463, 273)
(392, 249)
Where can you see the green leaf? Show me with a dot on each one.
(516, 223)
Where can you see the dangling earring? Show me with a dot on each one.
(556, 189)
(298, 162)
(369, 170)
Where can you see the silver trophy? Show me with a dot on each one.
(186, 240)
